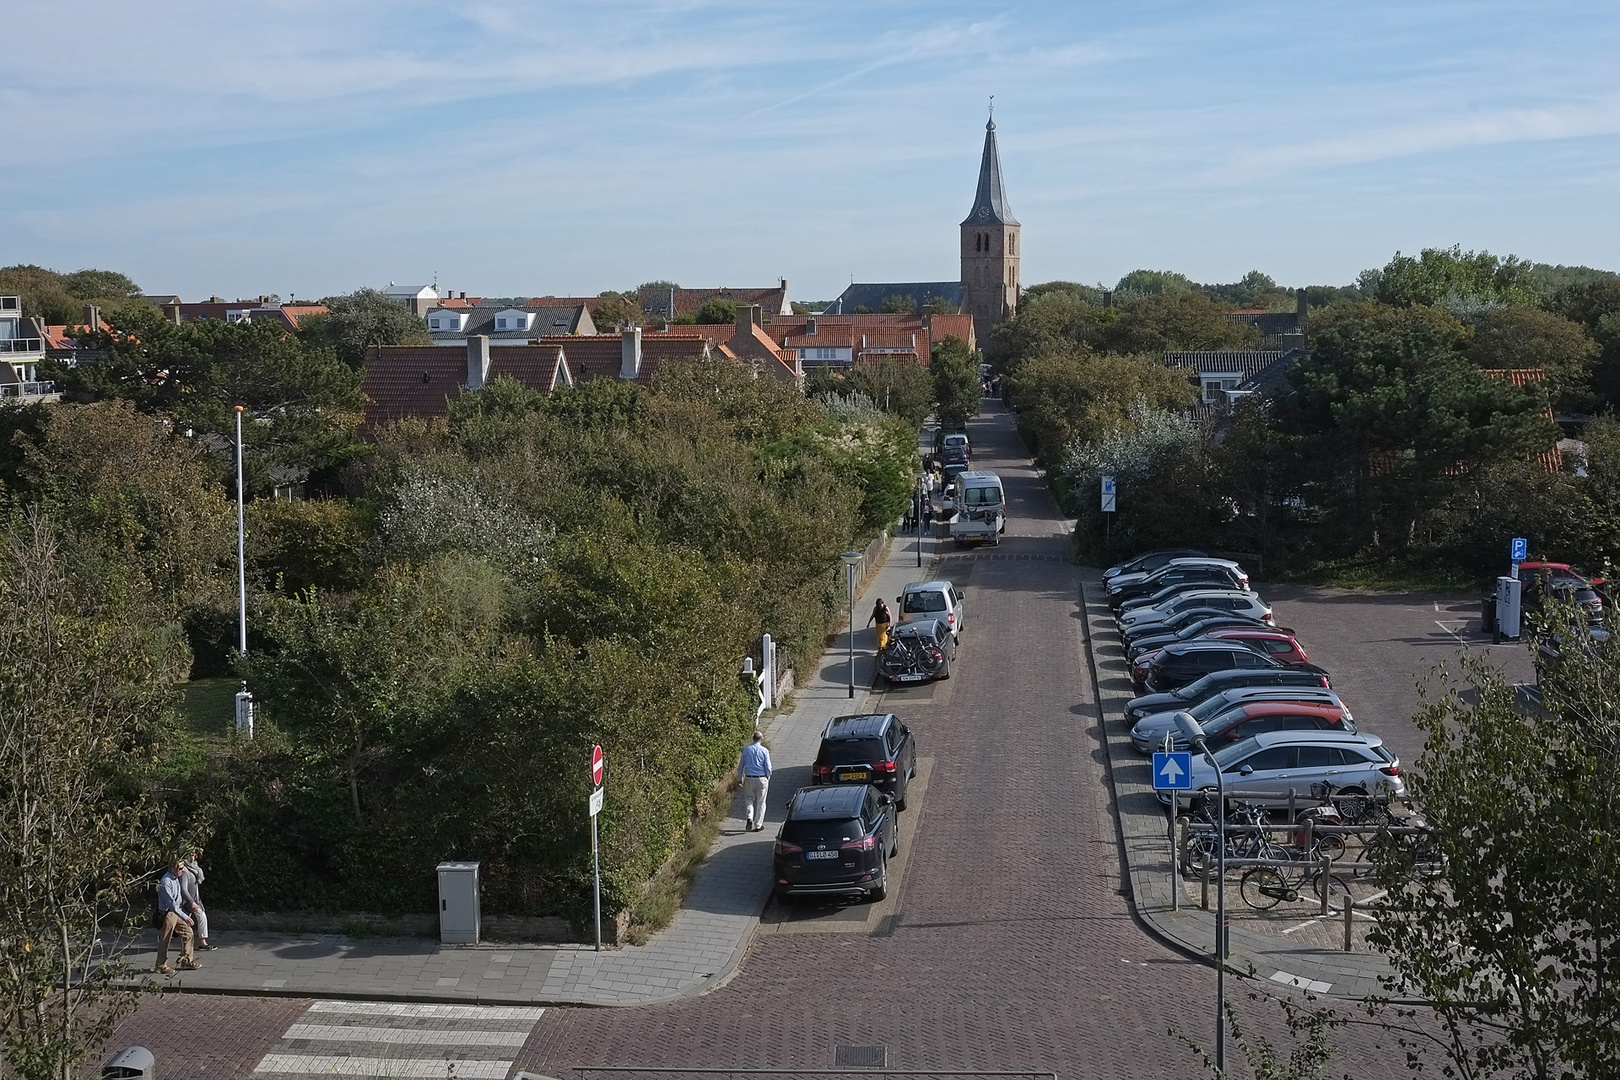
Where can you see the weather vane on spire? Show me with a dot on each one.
(992, 106)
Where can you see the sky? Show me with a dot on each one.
(306, 148)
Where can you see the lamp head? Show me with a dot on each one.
(851, 557)
(1188, 728)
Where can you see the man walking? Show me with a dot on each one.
(755, 770)
(171, 909)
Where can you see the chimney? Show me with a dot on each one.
(810, 326)
(1108, 298)
(477, 361)
(630, 352)
(755, 314)
(92, 317)
(172, 312)
(1299, 308)
(744, 319)
(464, 296)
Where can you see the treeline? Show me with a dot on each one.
(1416, 436)
(437, 638)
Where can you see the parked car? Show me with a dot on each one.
(1149, 561)
(1244, 603)
(1200, 690)
(928, 601)
(1178, 665)
(1276, 644)
(873, 748)
(1549, 652)
(1182, 574)
(1196, 628)
(917, 652)
(1227, 719)
(956, 441)
(1130, 635)
(836, 842)
(1558, 571)
(1538, 589)
(1122, 581)
(1263, 768)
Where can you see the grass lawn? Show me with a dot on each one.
(209, 707)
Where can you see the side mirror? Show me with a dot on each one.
(1247, 770)
(886, 800)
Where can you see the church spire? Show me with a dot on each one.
(990, 201)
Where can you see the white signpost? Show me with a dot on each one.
(1108, 495)
(596, 860)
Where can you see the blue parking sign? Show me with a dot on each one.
(1172, 771)
(1521, 549)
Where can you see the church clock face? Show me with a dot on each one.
(984, 211)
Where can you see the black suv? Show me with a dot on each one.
(836, 841)
(874, 749)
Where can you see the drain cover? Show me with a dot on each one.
(861, 1057)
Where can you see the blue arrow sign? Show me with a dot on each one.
(1521, 549)
(1172, 771)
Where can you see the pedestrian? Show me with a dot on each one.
(190, 890)
(171, 910)
(881, 616)
(755, 769)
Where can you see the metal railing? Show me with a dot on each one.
(27, 389)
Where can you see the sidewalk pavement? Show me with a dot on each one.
(700, 949)
(1307, 961)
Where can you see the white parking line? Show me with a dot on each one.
(1449, 630)
(1303, 983)
(441, 1012)
(405, 1036)
(402, 1068)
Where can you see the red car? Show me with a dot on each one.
(1277, 644)
(1252, 717)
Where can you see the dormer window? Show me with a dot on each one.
(513, 319)
(447, 320)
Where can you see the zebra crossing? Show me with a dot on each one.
(382, 1040)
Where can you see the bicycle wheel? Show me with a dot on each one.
(1330, 845)
(1337, 889)
(1262, 887)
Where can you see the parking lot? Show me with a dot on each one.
(1379, 645)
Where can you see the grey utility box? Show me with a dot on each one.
(135, 1063)
(458, 903)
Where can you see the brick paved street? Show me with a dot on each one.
(1010, 941)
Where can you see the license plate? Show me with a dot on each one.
(821, 855)
(910, 678)
(853, 775)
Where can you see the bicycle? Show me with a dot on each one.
(1264, 887)
(1203, 846)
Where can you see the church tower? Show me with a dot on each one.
(990, 247)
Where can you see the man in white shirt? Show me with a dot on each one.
(755, 770)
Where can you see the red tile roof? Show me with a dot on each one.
(1551, 460)
(419, 380)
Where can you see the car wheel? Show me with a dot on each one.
(900, 801)
(782, 898)
(881, 889)
(945, 670)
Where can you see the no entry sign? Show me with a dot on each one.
(596, 766)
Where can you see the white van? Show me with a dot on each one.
(981, 508)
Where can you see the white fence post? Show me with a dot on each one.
(767, 673)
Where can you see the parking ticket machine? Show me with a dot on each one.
(1507, 607)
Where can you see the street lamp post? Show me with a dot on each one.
(917, 503)
(1191, 730)
(241, 538)
(851, 558)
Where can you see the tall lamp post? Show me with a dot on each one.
(1193, 732)
(917, 503)
(244, 700)
(851, 559)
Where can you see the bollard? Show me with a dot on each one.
(1349, 919)
(1175, 863)
(1205, 900)
(1324, 881)
(1293, 814)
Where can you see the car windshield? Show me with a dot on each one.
(1206, 709)
(852, 752)
(921, 601)
(982, 496)
(820, 831)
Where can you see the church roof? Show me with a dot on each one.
(990, 201)
(871, 295)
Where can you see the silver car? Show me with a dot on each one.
(1118, 582)
(1239, 601)
(1263, 768)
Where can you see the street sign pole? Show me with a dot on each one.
(1172, 772)
(595, 807)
